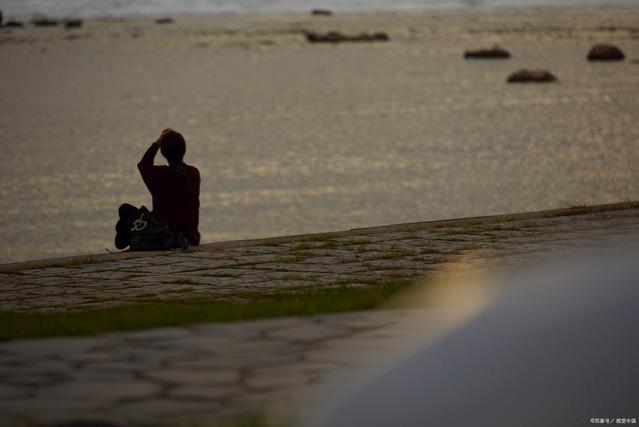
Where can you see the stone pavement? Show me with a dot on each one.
(207, 374)
(358, 257)
(204, 374)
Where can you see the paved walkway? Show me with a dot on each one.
(204, 374)
(357, 257)
(207, 373)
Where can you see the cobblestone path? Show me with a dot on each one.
(203, 374)
(208, 373)
(357, 257)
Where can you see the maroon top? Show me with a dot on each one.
(175, 200)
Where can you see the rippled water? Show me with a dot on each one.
(291, 139)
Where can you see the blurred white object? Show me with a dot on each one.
(559, 349)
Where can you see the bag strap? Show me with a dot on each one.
(139, 224)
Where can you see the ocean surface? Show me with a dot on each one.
(292, 138)
(121, 8)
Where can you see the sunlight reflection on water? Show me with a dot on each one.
(288, 148)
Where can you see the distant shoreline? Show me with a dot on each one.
(306, 13)
(96, 9)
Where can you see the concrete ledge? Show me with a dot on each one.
(458, 222)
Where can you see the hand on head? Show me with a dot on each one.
(161, 137)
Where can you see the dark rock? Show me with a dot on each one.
(73, 23)
(382, 37)
(0, 18)
(14, 24)
(605, 52)
(337, 37)
(531, 76)
(76, 36)
(494, 52)
(164, 21)
(44, 22)
(321, 12)
(330, 37)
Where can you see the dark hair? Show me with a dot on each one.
(173, 146)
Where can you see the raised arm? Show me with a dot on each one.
(149, 156)
(146, 166)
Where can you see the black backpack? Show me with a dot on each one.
(141, 231)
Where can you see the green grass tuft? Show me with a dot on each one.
(20, 325)
(294, 257)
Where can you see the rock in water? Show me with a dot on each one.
(531, 76)
(381, 37)
(164, 21)
(494, 52)
(73, 23)
(44, 22)
(14, 24)
(337, 37)
(321, 12)
(0, 18)
(605, 52)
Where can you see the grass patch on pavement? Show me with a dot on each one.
(294, 257)
(154, 314)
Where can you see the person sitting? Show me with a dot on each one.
(175, 188)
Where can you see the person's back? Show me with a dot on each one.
(175, 188)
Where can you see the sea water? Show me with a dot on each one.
(292, 138)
